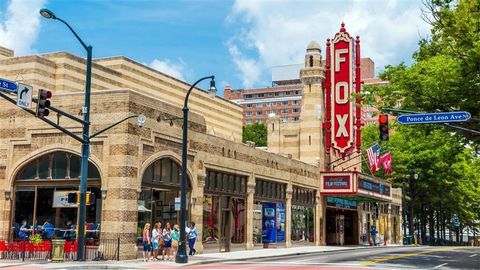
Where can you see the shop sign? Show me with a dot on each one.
(338, 183)
(269, 222)
(379, 188)
(60, 200)
(341, 203)
(280, 222)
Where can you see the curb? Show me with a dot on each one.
(285, 255)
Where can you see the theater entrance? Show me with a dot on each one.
(342, 227)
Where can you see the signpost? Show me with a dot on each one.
(24, 96)
(8, 86)
(433, 118)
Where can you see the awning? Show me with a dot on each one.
(142, 209)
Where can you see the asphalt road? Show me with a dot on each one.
(375, 258)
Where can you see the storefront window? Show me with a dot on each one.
(210, 218)
(41, 191)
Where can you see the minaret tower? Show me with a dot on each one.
(312, 113)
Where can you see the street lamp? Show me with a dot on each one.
(85, 134)
(182, 249)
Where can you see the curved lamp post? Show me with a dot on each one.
(85, 134)
(182, 248)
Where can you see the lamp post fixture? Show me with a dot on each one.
(181, 256)
(85, 134)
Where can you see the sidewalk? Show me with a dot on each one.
(193, 260)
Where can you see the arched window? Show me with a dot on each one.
(56, 166)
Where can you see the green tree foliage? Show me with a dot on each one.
(256, 133)
(444, 76)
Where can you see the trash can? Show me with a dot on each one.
(57, 249)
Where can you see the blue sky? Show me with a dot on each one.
(237, 41)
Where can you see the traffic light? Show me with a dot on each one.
(43, 102)
(383, 123)
(73, 197)
(90, 198)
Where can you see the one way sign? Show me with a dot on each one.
(24, 96)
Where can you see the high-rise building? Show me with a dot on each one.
(284, 98)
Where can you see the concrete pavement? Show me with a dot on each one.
(243, 255)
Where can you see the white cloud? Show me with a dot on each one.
(20, 24)
(166, 66)
(277, 32)
(249, 69)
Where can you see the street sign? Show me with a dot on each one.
(24, 96)
(8, 86)
(455, 221)
(433, 118)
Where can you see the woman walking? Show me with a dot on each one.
(175, 237)
(146, 241)
(192, 237)
(155, 238)
(167, 241)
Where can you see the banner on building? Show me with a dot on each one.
(269, 216)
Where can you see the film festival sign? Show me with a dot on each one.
(343, 115)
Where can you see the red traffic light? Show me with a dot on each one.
(46, 94)
(383, 119)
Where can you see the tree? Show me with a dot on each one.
(256, 133)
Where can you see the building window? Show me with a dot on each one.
(284, 111)
(296, 118)
(285, 119)
(277, 94)
(259, 112)
(261, 95)
(248, 122)
(287, 93)
(269, 104)
(295, 110)
(296, 102)
(248, 113)
(260, 121)
(269, 112)
(298, 92)
(270, 94)
(259, 105)
(248, 96)
(285, 102)
(249, 105)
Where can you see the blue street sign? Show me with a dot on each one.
(8, 86)
(432, 118)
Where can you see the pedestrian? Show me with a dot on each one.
(155, 238)
(192, 237)
(373, 233)
(175, 237)
(167, 241)
(24, 231)
(146, 241)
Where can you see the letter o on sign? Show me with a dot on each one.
(339, 87)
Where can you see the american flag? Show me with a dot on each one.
(373, 154)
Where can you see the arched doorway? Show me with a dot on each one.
(160, 187)
(41, 188)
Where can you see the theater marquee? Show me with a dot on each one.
(355, 184)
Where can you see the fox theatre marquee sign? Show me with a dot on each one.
(343, 116)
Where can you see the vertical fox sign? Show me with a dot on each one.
(343, 116)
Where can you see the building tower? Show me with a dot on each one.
(312, 112)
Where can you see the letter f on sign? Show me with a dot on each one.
(339, 59)
(342, 130)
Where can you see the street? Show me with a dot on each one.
(380, 258)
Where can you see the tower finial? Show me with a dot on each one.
(342, 28)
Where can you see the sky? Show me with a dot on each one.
(238, 41)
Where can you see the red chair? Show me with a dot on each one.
(30, 251)
(74, 249)
(12, 249)
(3, 249)
(66, 249)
